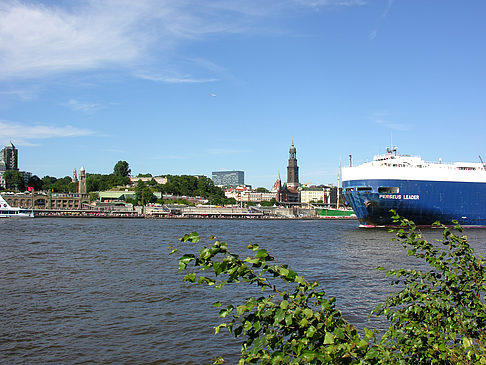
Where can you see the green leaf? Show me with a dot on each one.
(467, 342)
(241, 309)
(310, 331)
(368, 333)
(261, 253)
(308, 312)
(309, 356)
(329, 339)
(288, 319)
(184, 260)
(192, 237)
(303, 322)
(372, 353)
(218, 360)
(257, 326)
(300, 280)
(279, 315)
(283, 271)
(217, 329)
(190, 277)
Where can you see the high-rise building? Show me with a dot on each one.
(9, 156)
(228, 178)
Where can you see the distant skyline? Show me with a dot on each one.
(192, 87)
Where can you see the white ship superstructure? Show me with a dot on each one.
(6, 211)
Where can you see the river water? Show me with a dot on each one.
(79, 291)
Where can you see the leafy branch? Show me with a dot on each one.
(437, 317)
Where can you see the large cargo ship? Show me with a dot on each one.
(424, 192)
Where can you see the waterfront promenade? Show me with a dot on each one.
(201, 212)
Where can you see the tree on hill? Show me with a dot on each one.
(270, 203)
(14, 180)
(144, 193)
(62, 185)
(99, 182)
(35, 182)
(121, 169)
(186, 185)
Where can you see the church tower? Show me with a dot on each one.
(82, 181)
(293, 169)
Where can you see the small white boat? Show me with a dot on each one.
(6, 211)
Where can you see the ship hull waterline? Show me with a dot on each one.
(423, 202)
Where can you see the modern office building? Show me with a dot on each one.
(9, 156)
(228, 178)
(9, 160)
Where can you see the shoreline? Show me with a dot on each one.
(141, 216)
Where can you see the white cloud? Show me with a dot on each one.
(183, 79)
(319, 3)
(374, 32)
(23, 94)
(83, 107)
(26, 134)
(38, 40)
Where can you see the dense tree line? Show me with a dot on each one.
(183, 185)
(99, 182)
(177, 185)
(94, 182)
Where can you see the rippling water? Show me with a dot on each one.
(105, 290)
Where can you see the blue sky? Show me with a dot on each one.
(191, 87)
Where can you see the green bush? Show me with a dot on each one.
(438, 317)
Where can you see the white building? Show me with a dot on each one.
(316, 195)
(158, 179)
(244, 194)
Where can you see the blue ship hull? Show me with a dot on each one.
(424, 202)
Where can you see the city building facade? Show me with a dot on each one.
(158, 179)
(320, 195)
(245, 194)
(228, 178)
(58, 201)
